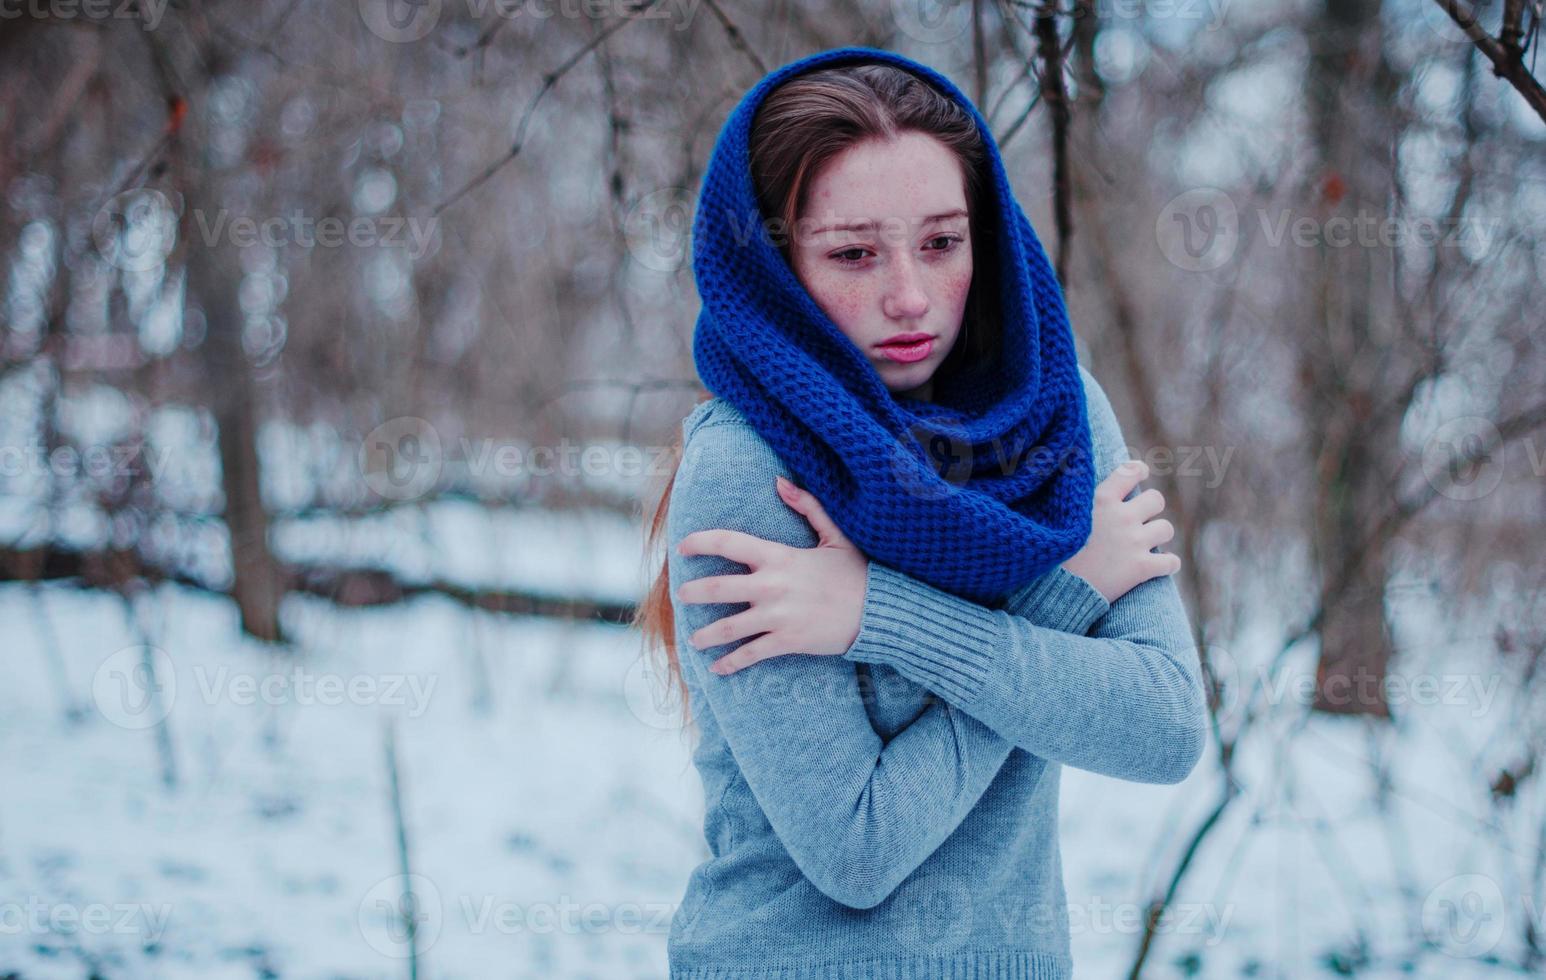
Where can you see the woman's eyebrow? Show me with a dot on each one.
(867, 224)
(957, 213)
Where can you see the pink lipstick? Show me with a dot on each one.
(907, 347)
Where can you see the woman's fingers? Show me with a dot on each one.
(738, 546)
(806, 504)
(747, 654)
(1147, 503)
(739, 587)
(729, 629)
(1120, 481)
(1157, 532)
(1164, 563)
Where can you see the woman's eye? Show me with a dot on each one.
(948, 240)
(850, 256)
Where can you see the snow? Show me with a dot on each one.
(553, 816)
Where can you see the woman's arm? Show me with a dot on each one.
(857, 814)
(1127, 701)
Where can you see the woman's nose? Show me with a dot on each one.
(905, 298)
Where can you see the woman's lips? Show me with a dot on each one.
(908, 352)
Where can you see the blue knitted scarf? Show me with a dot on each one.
(977, 491)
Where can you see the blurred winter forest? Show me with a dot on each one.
(343, 346)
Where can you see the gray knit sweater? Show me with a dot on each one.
(893, 812)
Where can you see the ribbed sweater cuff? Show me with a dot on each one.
(941, 636)
(1060, 600)
(946, 641)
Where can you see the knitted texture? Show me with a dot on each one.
(979, 490)
(893, 812)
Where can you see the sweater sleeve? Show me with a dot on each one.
(857, 814)
(1126, 700)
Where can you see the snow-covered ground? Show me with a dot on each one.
(552, 816)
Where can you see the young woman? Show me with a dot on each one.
(894, 591)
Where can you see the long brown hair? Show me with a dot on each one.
(801, 126)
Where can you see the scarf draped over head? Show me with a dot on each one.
(976, 492)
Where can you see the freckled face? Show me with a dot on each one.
(883, 247)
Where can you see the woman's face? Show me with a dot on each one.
(884, 247)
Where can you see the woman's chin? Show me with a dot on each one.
(901, 377)
(909, 384)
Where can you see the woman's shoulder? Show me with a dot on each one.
(713, 410)
(1106, 439)
(722, 452)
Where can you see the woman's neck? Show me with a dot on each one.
(922, 393)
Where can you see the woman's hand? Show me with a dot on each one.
(803, 600)
(1117, 557)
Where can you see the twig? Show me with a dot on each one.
(549, 80)
(409, 904)
(1506, 56)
